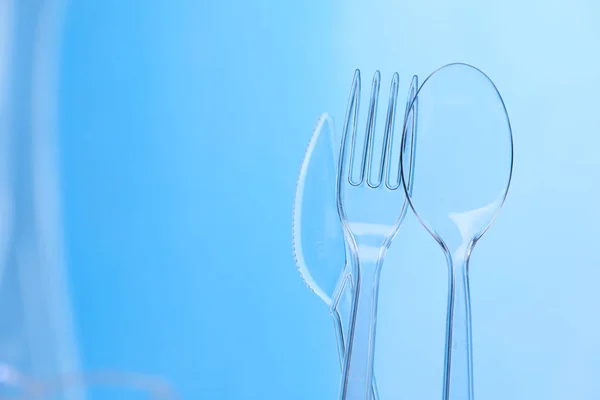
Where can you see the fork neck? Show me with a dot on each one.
(370, 242)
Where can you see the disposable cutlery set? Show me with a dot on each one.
(446, 156)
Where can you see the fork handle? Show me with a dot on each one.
(358, 365)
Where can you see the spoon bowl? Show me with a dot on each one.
(463, 154)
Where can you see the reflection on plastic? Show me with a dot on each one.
(468, 222)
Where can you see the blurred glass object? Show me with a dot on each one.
(113, 385)
(36, 330)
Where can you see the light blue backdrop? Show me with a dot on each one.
(182, 127)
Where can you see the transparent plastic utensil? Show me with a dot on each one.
(317, 235)
(459, 179)
(91, 385)
(318, 238)
(371, 206)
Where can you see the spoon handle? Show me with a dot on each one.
(358, 365)
(340, 313)
(458, 373)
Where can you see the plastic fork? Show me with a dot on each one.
(371, 208)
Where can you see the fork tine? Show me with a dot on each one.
(410, 131)
(369, 131)
(350, 124)
(388, 138)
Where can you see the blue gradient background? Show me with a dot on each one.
(182, 127)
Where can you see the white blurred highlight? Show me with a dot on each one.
(6, 17)
(38, 332)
